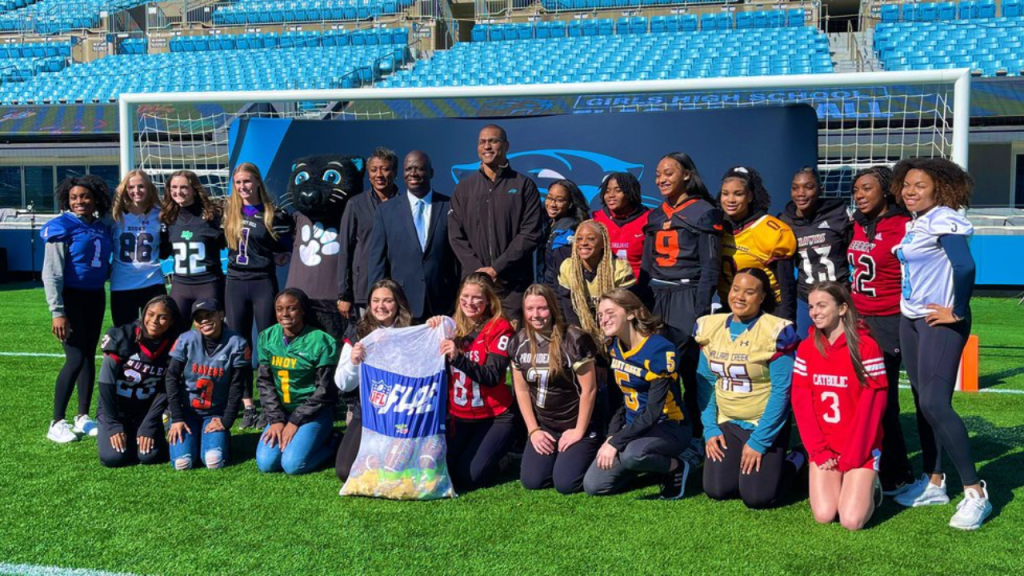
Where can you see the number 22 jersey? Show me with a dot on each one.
(195, 245)
(875, 285)
(136, 262)
(468, 399)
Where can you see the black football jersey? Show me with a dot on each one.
(254, 257)
(555, 397)
(671, 242)
(141, 367)
(195, 245)
(821, 244)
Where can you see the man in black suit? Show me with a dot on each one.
(409, 243)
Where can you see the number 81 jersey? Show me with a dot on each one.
(469, 400)
(743, 378)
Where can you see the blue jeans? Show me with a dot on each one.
(310, 446)
(212, 446)
(803, 318)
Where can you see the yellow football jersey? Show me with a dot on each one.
(741, 365)
(756, 245)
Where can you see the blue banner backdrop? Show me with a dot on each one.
(777, 141)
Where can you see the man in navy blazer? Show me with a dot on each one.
(409, 242)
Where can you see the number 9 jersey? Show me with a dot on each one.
(468, 399)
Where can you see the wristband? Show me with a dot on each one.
(532, 431)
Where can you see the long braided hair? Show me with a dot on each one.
(583, 302)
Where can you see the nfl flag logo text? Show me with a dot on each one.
(379, 394)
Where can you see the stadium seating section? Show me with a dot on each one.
(268, 12)
(22, 62)
(634, 48)
(944, 35)
(55, 16)
(279, 62)
(579, 5)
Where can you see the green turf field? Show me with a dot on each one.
(59, 507)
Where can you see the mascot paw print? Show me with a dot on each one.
(317, 242)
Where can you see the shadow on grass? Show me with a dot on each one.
(997, 378)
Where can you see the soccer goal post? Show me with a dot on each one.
(863, 118)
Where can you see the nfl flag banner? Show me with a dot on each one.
(404, 392)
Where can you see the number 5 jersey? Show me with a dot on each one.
(206, 375)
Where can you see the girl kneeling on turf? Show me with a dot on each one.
(649, 432)
(556, 387)
(480, 400)
(131, 383)
(839, 398)
(746, 366)
(208, 369)
(297, 391)
(388, 308)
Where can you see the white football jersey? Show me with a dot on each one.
(136, 252)
(927, 272)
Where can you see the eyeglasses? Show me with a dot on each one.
(553, 200)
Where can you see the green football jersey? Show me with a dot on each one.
(294, 364)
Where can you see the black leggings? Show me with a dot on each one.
(676, 306)
(475, 447)
(84, 310)
(563, 470)
(131, 455)
(894, 468)
(348, 449)
(245, 300)
(126, 305)
(185, 295)
(932, 357)
(761, 489)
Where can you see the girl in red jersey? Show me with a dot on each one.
(879, 225)
(839, 397)
(625, 216)
(480, 400)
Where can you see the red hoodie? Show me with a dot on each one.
(837, 416)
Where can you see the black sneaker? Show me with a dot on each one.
(261, 422)
(675, 482)
(249, 418)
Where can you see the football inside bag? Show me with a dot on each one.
(404, 392)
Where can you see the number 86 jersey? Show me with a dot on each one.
(468, 399)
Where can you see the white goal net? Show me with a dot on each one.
(863, 119)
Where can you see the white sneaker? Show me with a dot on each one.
(923, 493)
(85, 426)
(61, 433)
(972, 510)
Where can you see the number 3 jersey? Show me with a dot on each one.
(294, 364)
(555, 396)
(743, 377)
(195, 245)
(471, 400)
(833, 414)
(136, 262)
(875, 285)
(927, 271)
(821, 244)
(207, 374)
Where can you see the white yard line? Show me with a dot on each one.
(36, 570)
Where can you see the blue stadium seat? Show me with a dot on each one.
(968, 10)
(986, 9)
(745, 20)
(479, 33)
(946, 11)
(1012, 9)
(927, 12)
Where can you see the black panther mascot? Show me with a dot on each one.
(320, 187)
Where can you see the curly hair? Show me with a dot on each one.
(403, 317)
(695, 185)
(583, 302)
(953, 185)
(170, 209)
(94, 184)
(760, 200)
(122, 201)
(579, 208)
(629, 185)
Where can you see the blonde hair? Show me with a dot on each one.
(122, 201)
(579, 292)
(170, 209)
(233, 214)
(558, 329)
(464, 326)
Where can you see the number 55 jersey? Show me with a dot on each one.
(211, 372)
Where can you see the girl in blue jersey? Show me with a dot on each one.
(650, 431)
(209, 367)
(258, 240)
(76, 264)
(136, 277)
(566, 207)
(194, 238)
(938, 279)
